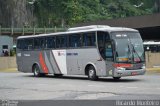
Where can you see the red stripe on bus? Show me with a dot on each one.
(122, 65)
(42, 63)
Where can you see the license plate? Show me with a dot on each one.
(134, 73)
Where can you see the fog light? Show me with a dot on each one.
(143, 67)
(120, 69)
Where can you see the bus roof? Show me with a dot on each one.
(84, 29)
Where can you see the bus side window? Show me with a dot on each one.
(50, 42)
(75, 40)
(89, 39)
(20, 43)
(39, 43)
(28, 44)
(42, 43)
(36, 43)
(61, 41)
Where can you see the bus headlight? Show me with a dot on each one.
(120, 69)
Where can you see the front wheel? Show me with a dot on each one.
(92, 73)
(36, 71)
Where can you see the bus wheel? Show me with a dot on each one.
(92, 73)
(36, 71)
(116, 78)
(58, 75)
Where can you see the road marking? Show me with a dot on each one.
(94, 96)
(121, 86)
(95, 86)
(92, 85)
(132, 87)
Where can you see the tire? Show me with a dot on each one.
(92, 74)
(116, 78)
(58, 75)
(36, 71)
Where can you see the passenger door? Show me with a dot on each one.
(109, 56)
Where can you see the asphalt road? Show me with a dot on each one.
(23, 86)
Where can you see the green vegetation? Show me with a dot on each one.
(50, 13)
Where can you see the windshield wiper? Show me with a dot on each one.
(129, 53)
(134, 51)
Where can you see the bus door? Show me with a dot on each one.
(109, 55)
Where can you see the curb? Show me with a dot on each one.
(11, 70)
(153, 70)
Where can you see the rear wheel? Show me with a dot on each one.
(36, 71)
(92, 73)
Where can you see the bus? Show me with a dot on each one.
(153, 46)
(94, 51)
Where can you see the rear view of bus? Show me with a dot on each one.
(95, 51)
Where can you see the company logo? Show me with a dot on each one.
(72, 54)
(61, 53)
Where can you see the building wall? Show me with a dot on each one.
(152, 60)
(8, 62)
(5, 40)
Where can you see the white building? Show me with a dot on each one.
(6, 43)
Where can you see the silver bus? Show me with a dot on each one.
(95, 51)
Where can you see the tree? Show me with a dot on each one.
(69, 12)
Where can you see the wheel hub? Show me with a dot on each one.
(91, 73)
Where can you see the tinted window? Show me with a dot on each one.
(39, 43)
(50, 41)
(28, 44)
(20, 43)
(89, 39)
(102, 38)
(61, 41)
(75, 40)
(5, 46)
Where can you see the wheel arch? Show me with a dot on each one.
(87, 67)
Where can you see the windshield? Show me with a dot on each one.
(129, 47)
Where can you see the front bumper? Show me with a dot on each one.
(123, 72)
